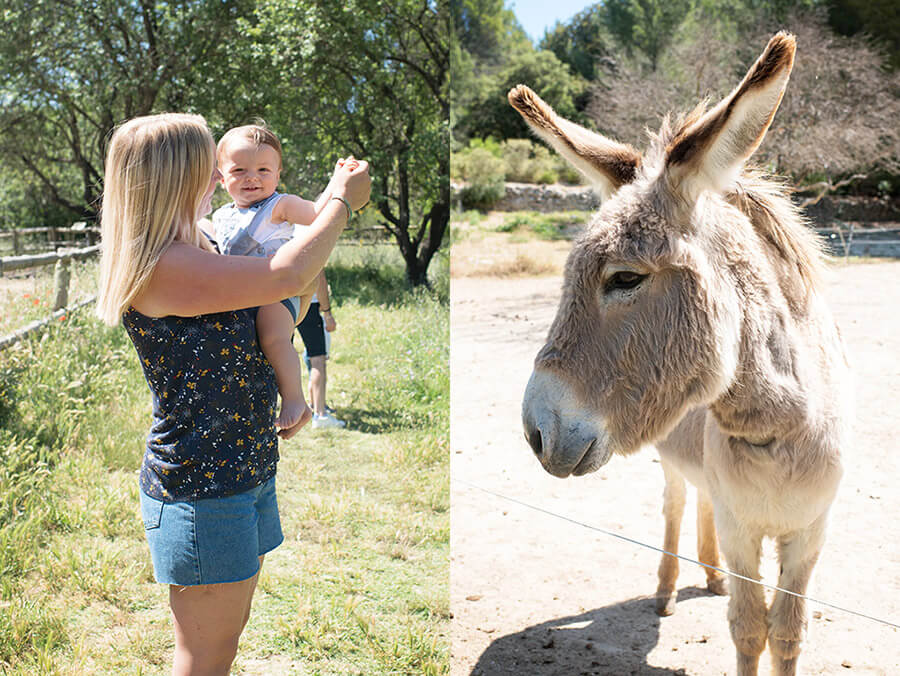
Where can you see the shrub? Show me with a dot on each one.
(528, 162)
(484, 174)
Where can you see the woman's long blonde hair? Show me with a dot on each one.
(158, 169)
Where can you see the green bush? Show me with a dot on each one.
(528, 162)
(484, 174)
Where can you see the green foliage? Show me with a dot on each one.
(368, 78)
(485, 164)
(549, 226)
(879, 19)
(70, 78)
(582, 43)
(27, 628)
(645, 26)
(490, 113)
(529, 162)
(485, 29)
(484, 174)
(76, 69)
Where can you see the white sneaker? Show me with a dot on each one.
(327, 420)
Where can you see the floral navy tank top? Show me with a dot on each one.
(214, 395)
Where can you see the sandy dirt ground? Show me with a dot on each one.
(533, 593)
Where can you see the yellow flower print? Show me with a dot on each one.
(224, 352)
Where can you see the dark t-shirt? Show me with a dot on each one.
(214, 396)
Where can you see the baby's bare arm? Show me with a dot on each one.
(294, 209)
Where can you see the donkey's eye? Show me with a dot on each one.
(623, 280)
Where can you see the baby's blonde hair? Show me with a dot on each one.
(257, 133)
(158, 169)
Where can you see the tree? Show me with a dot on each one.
(645, 26)
(878, 18)
(371, 78)
(838, 116)
(486, 29)
(490, 113)
(74, 69)
(583, 43)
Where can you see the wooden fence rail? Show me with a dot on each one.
(37, 325)
(62, 259)
(54, 235)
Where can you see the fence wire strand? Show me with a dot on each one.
(667, 553)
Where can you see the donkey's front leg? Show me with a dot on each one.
(798, 553)
(747, 605)
(673, 510)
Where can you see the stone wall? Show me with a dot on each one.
(543, 198)
(868, 211)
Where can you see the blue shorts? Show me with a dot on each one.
(212, 540)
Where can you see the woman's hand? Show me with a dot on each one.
(330, 324)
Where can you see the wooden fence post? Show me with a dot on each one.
(61, 276)
(15, 238)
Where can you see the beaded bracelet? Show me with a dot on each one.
(346, 204)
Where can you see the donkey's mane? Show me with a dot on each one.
(762, 198)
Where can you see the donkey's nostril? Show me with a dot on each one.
(534, 440)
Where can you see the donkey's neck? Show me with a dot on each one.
(770, 395)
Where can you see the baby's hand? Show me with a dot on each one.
(349, 163)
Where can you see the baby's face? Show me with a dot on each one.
(250, 173)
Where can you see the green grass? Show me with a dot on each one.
(551, 226)
(27, 298)
(360, 585)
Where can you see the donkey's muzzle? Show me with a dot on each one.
(565, 438)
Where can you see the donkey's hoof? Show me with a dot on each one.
(718, 585)
(665, 604)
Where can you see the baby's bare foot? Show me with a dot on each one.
(293, 413)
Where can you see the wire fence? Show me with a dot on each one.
(847, 240)
(633, 541)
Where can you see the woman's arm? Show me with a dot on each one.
(188, 281)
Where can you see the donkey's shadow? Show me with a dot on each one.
(610, 641)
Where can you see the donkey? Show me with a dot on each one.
(692, 317)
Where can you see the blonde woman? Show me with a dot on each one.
(207, 478)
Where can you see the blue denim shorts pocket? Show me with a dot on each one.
(151, 511)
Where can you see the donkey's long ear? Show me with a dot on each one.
(709, 152)
(606, 163)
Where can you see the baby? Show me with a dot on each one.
(257, 223)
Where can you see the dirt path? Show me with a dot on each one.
(535, 594)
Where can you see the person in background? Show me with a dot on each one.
(318, 320)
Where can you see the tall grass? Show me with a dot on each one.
(360, 584)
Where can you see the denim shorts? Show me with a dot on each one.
(212, 540)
